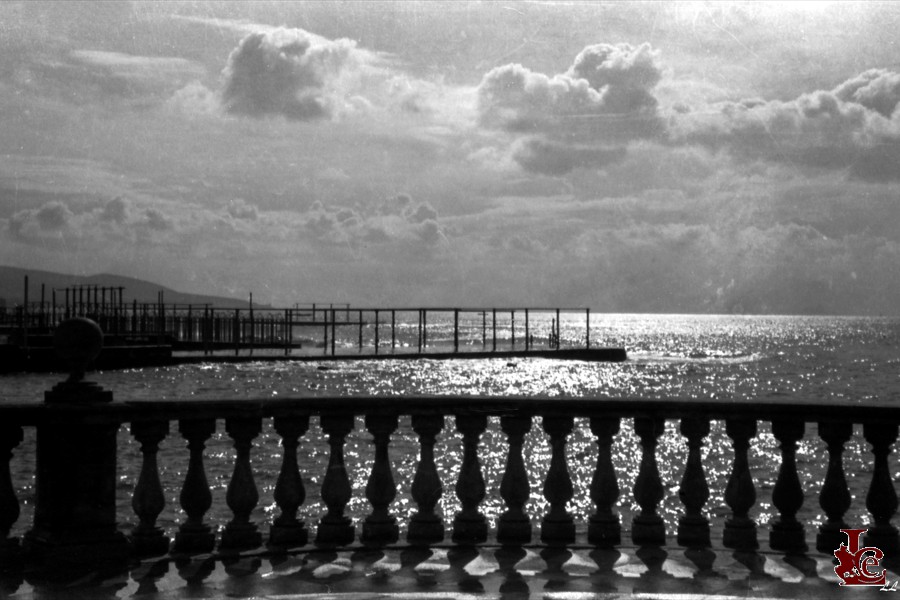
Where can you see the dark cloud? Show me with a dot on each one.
(551, 158)
(282, 72)
(116, 210)
(624, 74)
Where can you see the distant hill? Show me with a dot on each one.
(12, 287)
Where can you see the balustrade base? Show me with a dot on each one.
(379, 533)
(883, 537)
(78, 548)
(740, 534)
(648, 530)
(557, 531)
(335, 531)
(194, 540)
(693, 532)
(604, 531)
(288, 535)
(830, 537)
(470, 529)
(514, 529)
(237, 536)
(425, 530)
(149, 543)
(788, 537)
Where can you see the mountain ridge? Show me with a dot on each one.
(12, 288)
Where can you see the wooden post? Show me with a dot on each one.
(288, 332)
(494, 325)
(252, 326)
(527, 334)
(333, 332)
(557, 329)
(483, 328)
(53, 309)
(393, 325)
(360, 329)
(67, 314)
(325, 321)
(376, 332)
(424, 329)
(456, 330)
(43, 318)
(587, 328)
(512, 329)
(419, 332)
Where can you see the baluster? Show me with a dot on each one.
(195, 536)
(335, 529)
(10, 437)
(148, 499)
(514, 526)
(469, 525)
(740, 495)
(380, 527)
(648, 528)
(787, 533)
(835, 496)
(693, 526)
(881, 500)
(242, 495)
(557, 526)
(425, 526)
(289, 493)
(604, 528)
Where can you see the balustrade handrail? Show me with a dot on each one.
(26, 413)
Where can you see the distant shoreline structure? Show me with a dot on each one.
(159, 334)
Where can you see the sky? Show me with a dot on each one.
(699, 157)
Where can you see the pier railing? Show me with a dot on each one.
(76, 474)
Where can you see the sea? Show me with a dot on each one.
(725, 358)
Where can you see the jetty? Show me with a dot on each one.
(153, 334)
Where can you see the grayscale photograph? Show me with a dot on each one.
(470, 300)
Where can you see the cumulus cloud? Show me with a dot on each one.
(241, 209)
(396, 219)
(606, 92)
(288, 72)
(583, 117)
(854, 126)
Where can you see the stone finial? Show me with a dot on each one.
(78, 342)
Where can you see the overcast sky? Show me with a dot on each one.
(666, 157)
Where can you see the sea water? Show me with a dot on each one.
(742, 359)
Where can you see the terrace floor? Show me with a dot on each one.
(444, 572)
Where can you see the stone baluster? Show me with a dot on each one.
(648, 528)
(336, 529)
(194, 536)
(425, 526)
(835, 496)
(514, 526)
(740, 495)
(557, 526)
(148, 499)
(286, 530)
(881, 499)
(381, 527)
(242, 495)
(693, 526)
(469, 525)
(10, 437)
(787, 533)
(604, 527)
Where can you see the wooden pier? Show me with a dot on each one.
(311, 331)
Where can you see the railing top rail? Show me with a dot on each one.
(668, 408)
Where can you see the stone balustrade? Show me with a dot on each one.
(76, 475)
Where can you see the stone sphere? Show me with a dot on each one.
(78, 341)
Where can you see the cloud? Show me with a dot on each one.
(287, 72)
(584, 117)
(605, 94)
(396, 219)
(854, 126)
(241, 209)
